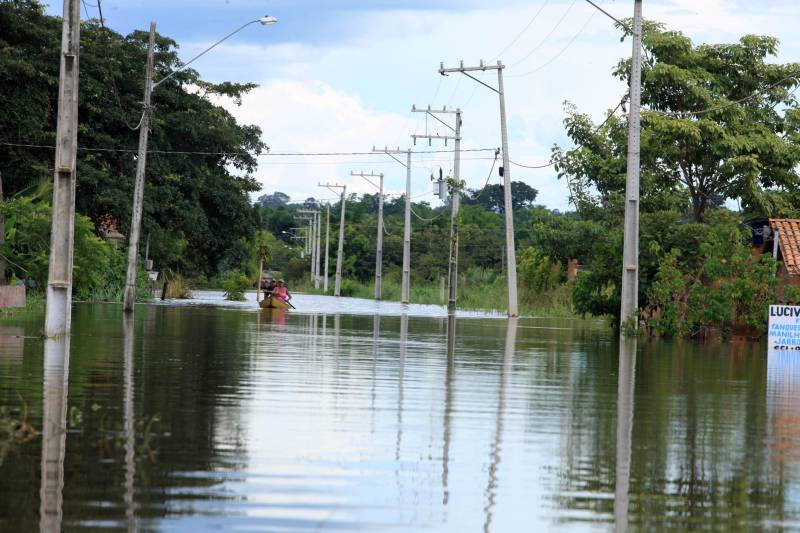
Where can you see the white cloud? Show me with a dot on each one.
(355, 93)
(312, 117)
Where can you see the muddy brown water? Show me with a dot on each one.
(206, 416)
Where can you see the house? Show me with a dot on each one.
(782, 237)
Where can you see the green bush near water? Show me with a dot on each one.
(99, 268)
(479, 289)
(234, 284)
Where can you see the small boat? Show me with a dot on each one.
(273, 303)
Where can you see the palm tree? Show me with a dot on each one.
(264, 253)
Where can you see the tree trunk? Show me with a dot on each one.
(699, 203)
(260, 277)
(3, 280)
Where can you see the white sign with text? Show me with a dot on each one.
(784, 328)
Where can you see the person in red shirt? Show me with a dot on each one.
(281, 292)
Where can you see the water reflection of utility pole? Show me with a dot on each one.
(54, 432)
(401, 372)
(505, 375)
(376, 333)
(315, 333)
(448, 404)
(336, 325)
(129, 421)
(399, 439)
(626, 382)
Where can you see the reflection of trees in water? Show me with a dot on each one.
(698, 438)
(188, 366)
(578, 370)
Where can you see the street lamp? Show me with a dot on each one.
(266, 20)
(144, 126)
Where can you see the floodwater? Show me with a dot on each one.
(216, 417)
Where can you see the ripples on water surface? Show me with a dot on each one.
(194, 418)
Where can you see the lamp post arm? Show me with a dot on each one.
(204, 52)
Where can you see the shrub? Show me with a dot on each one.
(721, 285)
(98, 267)
(177, 287)
(537, 272)
(234, 283)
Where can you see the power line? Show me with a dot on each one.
(595, 130)
(489, 177)
(265, 154)
(525, 29)
(549, 61)
(546, 36)
(426, 193)
(110, 73)
(609, 15)
(373, 162)
(425, 219)
(679, 114)
(550, 164)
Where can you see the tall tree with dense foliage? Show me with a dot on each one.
(704, 138)
(196, 208)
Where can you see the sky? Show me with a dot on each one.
(342, 75)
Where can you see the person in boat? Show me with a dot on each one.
(268, 286)
(281, 292)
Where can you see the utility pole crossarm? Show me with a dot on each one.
(390, 153)
(461, 68)
(465, 70)
(367, 175)
(429, 110)
(416, 136)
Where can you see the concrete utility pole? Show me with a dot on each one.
(311, 245)
(138, 195)
(337, 288)
(379, 241)
(138, 191)
(406, 282)
(630, 256)
(455, 195)
(318, 223)
(2, 235)
(327, 245)
(59, 279)
(295, 237)
(511, 256)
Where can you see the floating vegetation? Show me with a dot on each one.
(14, 431)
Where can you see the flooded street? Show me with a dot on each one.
(199, 417)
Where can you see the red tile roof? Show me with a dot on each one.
(789, 241)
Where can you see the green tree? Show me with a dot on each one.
(99, 268)
(492, 197)
(197, 201)
(742, 148)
